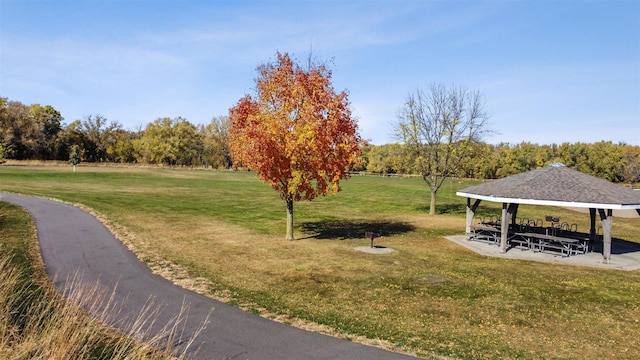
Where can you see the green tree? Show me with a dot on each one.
(69, 135)
(98, 135)
(187, 142)
(630, 168)
(2, 158)
(22, 135)
(74, 156)
(170, 142)
(122, 149)
(437, 128)
(49, 121)
(478, 163)
(380, 160)
(215, 146)
(604, 160)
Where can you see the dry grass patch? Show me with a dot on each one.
(38, 323)
(423, 296)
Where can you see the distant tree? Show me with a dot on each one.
(122, 149)
(187, 142)
(477, 163)
(388, 159)
(519, 158)
(365, 151)
(49, 122)
(98, 135)
(215, 147)
(379, 160)
(630, 169)
(170, 142)
(22, 135)
(3, 128)
(74, 156)
(604, 159)
(2, 158)
(69, 135)
(297, 133)
(437, 128)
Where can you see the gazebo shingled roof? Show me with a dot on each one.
(555, 185)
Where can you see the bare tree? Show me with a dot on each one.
(437, 129)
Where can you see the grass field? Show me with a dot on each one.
(430, 296)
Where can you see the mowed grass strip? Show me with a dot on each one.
(430, 296)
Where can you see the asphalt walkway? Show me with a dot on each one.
(74, 244)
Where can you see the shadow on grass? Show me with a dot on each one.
(343, 229)
(456, 209)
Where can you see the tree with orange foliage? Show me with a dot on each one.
(297, 133)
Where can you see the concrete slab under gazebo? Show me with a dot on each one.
(554, 185)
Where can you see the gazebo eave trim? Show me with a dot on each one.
(549, 202)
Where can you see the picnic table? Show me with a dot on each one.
(552, 239)
(546, 243)
(485, 233)
(539, 242)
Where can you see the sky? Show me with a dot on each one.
(549, 71)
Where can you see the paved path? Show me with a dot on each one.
(73, 241)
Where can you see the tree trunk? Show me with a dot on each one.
(432, 206)
(74, 168)
(289, 219)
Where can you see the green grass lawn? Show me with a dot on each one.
(430, 296)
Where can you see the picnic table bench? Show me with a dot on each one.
(555, 239)
(524, 240)
(565, 245)
(484, 233)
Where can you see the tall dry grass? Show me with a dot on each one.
(38, 323)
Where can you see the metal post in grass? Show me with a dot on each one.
(371, 236)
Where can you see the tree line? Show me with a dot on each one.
(605, 159)
(40, 132)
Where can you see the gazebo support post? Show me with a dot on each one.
(504, 228)
(513, 212)
(606, 233)
(471, 211)
(509, 212)
(593, 234)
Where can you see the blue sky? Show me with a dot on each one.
(550, 71)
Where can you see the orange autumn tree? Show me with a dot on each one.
(296, 133)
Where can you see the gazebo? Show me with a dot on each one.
(554, 185)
